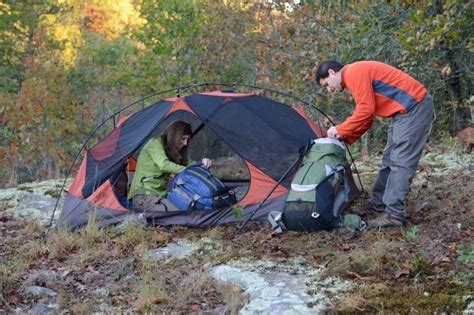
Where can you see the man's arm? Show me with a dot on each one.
(360, 86)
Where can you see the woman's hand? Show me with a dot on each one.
(207, 163)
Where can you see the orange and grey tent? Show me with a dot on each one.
(264, 134)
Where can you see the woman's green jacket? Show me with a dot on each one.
(153, 170)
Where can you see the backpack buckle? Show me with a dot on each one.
(315, 215)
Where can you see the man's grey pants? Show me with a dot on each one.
(407, 135)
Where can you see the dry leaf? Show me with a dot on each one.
(402, 272)
(446, 71)
(453, 247)
(13, 298)
(316, 255)
(446, 259)
(438, 270)
(346, 247)
(384, 259)
(80, 287)
(368, 279)
(157, 299)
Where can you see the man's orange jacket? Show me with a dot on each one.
(378, 90)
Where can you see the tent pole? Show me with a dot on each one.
(269, 193)
(355, 168)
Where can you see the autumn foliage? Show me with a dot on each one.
(66, 65)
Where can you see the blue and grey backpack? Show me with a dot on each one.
(196, 188)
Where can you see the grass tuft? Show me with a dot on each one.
(364, 261)
(411, 233)
(93, 233)
(62, 243)
(151, 289)
(31, 253)
(10, 279)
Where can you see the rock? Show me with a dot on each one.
(44, 309)
(180, 250)
(470, 307)
(275, 293)
(101, 292)
(37, 291)
(281, 288)
(41, 278)
(32, 201)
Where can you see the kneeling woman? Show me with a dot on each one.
(159, 159)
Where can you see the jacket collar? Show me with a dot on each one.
(343, 83)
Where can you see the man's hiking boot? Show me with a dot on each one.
(368, 208)
(385, 220)
(376, 208)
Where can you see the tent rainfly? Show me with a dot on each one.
(261, 135)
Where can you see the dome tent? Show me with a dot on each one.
(264, 134)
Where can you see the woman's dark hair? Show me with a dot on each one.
(172, 138)
(323, 69)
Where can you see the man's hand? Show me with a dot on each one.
(332, 133)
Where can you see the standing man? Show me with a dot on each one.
(385, 91)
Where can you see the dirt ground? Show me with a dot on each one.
(425, 266)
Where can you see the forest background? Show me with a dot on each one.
(66, 65)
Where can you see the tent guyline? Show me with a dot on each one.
(246, 124)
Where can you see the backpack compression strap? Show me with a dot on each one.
(275, 220)
(190, 201)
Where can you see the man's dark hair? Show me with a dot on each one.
(323, 69)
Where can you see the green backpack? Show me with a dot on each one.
(319, 189)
